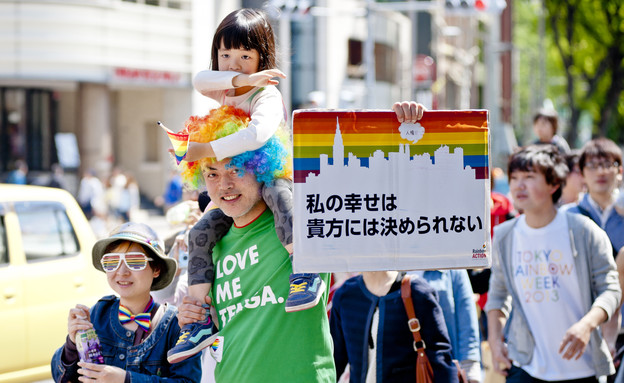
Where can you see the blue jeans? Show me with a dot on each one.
(518, 375)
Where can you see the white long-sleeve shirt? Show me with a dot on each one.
(264, 105)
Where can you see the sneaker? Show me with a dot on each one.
(193, 338)
(306, 290)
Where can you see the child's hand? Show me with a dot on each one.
(262, 78)
(408, 111)
(79, 319)
(101, 373)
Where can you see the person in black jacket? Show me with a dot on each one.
(369, 327)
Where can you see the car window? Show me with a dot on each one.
(4, 253)
(47, 232)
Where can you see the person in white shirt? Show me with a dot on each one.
(553, 282)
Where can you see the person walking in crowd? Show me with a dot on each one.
(545, 125)
(250, 285)
(173, 192)
(369, 327)
(601, 166)
(553, 282)
(600, 163)
(244, 63)
(91, 194)
(129, 198)
(57, 178)
(460, 315)
(134, 331)
(19, 173)
(574, 187)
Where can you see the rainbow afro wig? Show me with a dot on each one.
(271, 161)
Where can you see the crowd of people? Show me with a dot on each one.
(220, 302)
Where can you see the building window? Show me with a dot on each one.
(386, 61)
(27, 128)
(355, 64)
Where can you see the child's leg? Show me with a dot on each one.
(203, 237)
(279, 198)
(306, 289)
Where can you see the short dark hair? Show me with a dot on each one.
(248, 29)
(544, 159)
(573, 158)
(550, 115)
(600, 147)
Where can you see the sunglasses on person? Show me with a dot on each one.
(134, 260)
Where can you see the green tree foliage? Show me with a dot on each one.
(588, 36)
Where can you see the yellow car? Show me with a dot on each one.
(45, 269)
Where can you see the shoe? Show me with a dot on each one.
(193, 338)
(306, 290)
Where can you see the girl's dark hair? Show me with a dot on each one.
(248, 29)
(600, 147)
(572, 159)
(544, 159)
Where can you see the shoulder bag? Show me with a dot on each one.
(424, 372)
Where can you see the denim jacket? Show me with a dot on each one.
(146, 362)
(596, 273)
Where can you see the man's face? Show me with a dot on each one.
(530, 192)
(601, 175)
(238, 197)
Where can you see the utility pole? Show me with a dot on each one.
(284, 39)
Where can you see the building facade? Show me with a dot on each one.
(83, 83)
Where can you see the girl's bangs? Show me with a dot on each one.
(235, 37)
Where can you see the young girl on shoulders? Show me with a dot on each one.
(244, 76)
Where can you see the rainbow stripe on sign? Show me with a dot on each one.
(364, 132)
(179, 141)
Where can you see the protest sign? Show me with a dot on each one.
(374, 194)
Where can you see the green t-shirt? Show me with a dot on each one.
(260, 341)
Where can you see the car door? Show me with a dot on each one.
(13, 346)
(53, 276)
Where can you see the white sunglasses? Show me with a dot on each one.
(134, 260)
